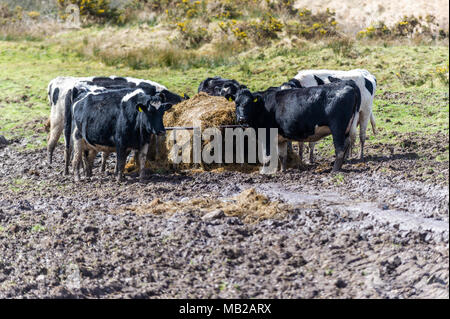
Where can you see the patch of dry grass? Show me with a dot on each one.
(249, 205)
(29, 30)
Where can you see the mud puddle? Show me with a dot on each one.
(380, 212)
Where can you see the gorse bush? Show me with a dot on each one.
(407, 27)
(227, 9)
(282, 7)
(233, 29)
(94, 11)
(260, 31)
(443, 73)
(186, 9)
(267, 28)
(380, 30)
(308, 25)
(8, 15)
(191, 35)
(18, 24)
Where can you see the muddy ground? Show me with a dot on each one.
(378, 229)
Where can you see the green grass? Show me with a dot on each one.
(26, 67)
(37, 228)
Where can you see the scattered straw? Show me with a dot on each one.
(249, 206)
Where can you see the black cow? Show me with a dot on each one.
(218, 86)
(304, 114)
(118, 121)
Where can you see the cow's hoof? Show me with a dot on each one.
(266, 170)
(335, 169)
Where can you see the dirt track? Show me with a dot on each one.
(377, 230)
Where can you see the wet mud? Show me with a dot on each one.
(378, 229)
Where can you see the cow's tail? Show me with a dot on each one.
(372, 122)
(68, 102)
(358, 98)
(49, 94)
(67, 129)
(355, 113)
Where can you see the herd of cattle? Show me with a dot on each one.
(120, 114)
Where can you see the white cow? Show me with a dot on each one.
(364, 80)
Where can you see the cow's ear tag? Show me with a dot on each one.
(140, 109)
(230, 99)
(255, 100)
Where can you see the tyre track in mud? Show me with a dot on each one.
(416, 219)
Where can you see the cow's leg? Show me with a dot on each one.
(152, 153)
(341, 144)
(67, 155)
(120, 162)
(142, 156)
(104, 159)
(77, 155)
(89, 162)
(116, 168)
(265, 149)
(301, 147)
(364, 122)
(289, 147)
(311, 152)
(56, 129)
(67, 150)
(282, 153)
(347, 146)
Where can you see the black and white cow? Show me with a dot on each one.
(60, 92)
(218, 86)
(304, 114)
(116, 121)
(95, 85)
(366, 83)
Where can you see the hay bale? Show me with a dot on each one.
(200, 110)
(211, 111)
(205, 111)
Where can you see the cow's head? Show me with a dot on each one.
(291, 84)
(151, 110)
(247, 105)
(229, 91)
